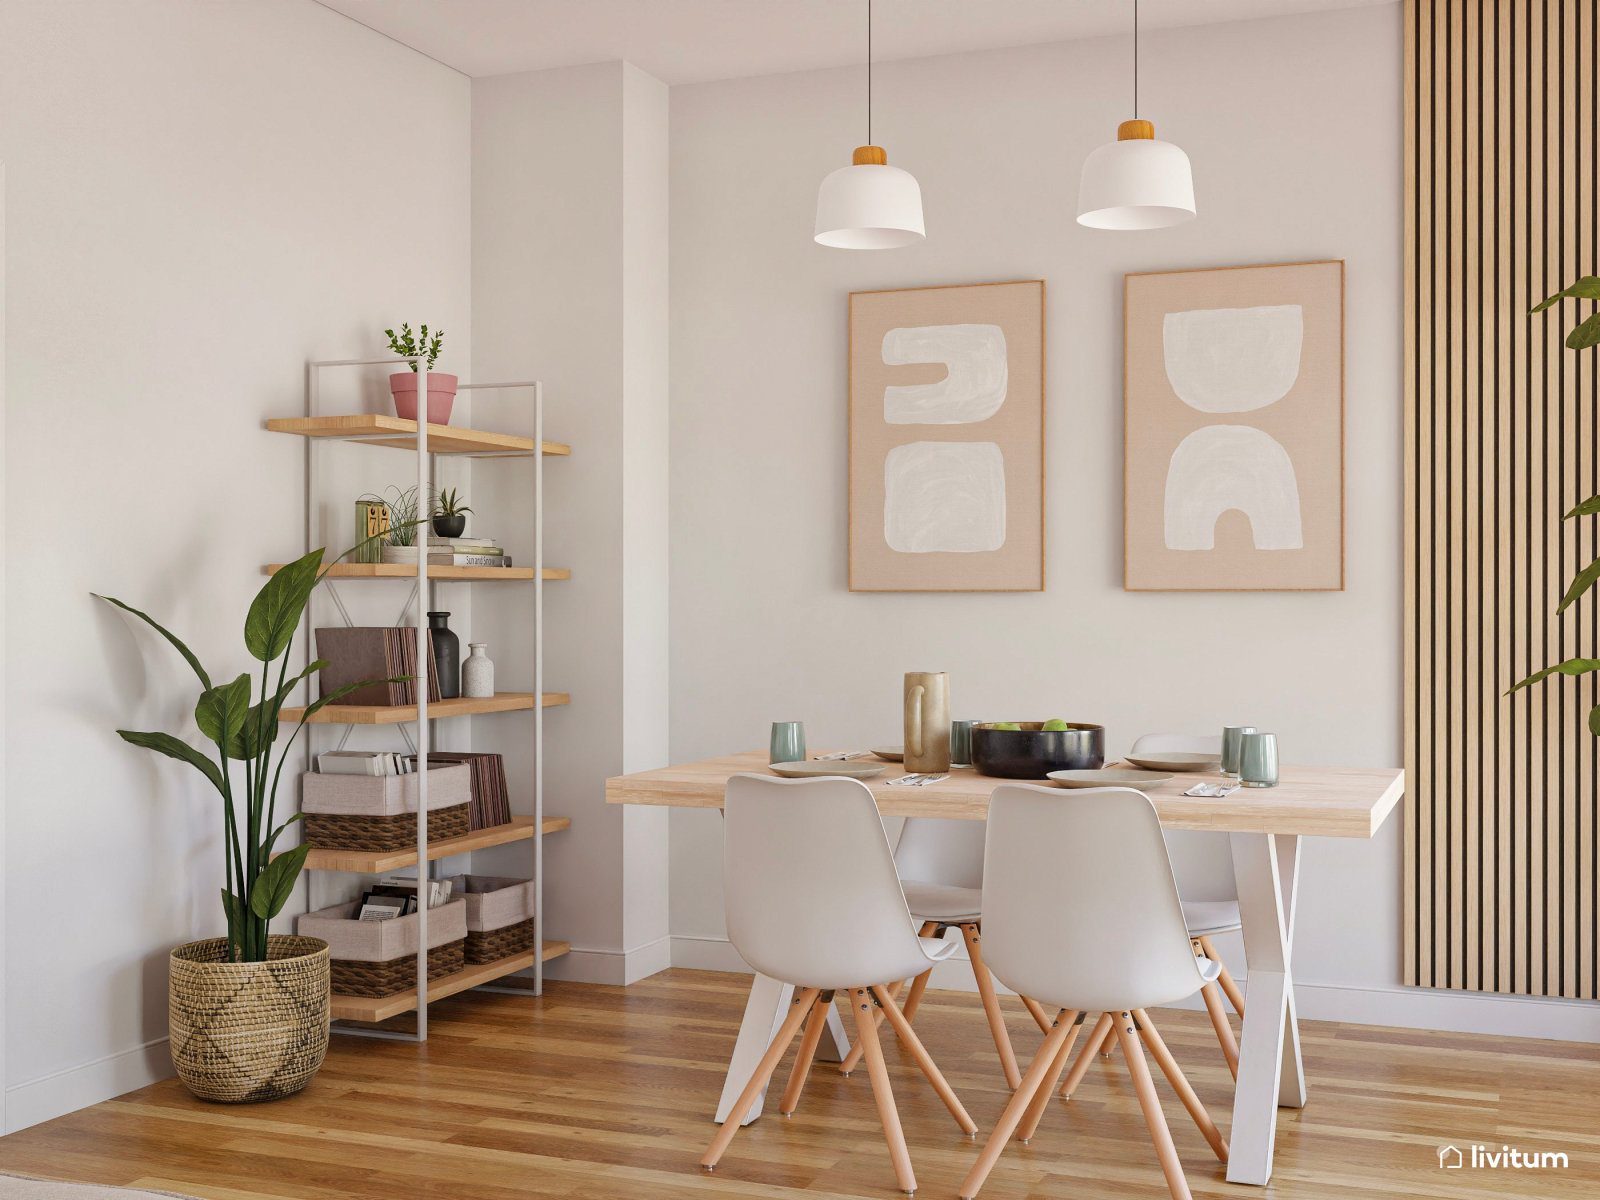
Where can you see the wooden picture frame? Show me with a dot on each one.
(1233, 428)
(946, 466)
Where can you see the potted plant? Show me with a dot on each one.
(449, 514)
(403, 384)
(248, 1013)
(404, 517)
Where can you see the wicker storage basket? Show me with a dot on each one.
(500, 914)
(244, 1032)
(379, 958)
(379, 812)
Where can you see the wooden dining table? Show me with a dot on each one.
(1265, 827)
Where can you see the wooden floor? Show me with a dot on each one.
(605, 1093)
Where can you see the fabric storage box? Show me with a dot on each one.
(379, 958)
(499, 915)
(379, 812)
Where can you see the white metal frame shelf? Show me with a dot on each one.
(422, 593)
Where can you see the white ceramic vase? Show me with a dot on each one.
(477, 673)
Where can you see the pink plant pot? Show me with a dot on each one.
(441, 396)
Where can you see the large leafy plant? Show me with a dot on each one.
(1584, 336)
(243, 733)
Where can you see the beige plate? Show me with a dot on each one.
(809, 770)
(890, 753)
(1174, 761)
(1114, 777)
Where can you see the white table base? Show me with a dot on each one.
(764, 1012)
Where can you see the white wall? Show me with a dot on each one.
(202, 197)
(569, 286)
(1294, 128)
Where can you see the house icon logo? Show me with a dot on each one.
(1450, 1158)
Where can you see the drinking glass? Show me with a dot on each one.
(1230, 746)
(788, 742)
(961, 743)
(1258, 760)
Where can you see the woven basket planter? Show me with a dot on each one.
(337, 831)
(243, 1032)
(380, 979)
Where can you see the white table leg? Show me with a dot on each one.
(1266, 868)
(764, 1012)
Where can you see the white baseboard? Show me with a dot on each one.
(589, 965)
(68, 1090)
(1403, 1008)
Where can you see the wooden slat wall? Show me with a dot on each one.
(1501, 107)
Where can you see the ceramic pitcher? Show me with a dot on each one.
(927, 710)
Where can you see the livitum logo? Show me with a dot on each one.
(1484, 1157)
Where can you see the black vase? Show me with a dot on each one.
(446, 655)
(450, 527)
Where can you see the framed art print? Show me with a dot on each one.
(947, 439)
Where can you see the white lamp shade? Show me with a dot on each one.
(869, 207)
(1137, 183)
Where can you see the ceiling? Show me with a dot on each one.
(691, 41)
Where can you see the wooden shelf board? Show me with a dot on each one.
(555, 824)
(401, 571)
(377, 862)
(364, 1008)
(394, 714)
(442, 439)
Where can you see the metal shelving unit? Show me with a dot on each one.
(428, 441)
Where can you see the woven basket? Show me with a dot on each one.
(342, 831)
(379, 979)
(491, 945)
(243, 1032)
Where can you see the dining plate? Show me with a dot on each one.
(809, 770)
(1108, 777)
(1173, 760)
(890, 753)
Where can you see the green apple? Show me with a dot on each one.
(1054, 725)
(1004, 725)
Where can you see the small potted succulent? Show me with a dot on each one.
(449, 514)
(403, 384)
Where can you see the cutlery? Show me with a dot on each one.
(843, 756)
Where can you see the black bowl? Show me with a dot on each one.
(1032, 752)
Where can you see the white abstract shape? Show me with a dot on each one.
(947, 496)
(1231, 466)
(1225, 360)
(975, 387)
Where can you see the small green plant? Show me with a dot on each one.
(1583, 336)
(258, 885)
(448, 504)
(405, 345)
(403, 516)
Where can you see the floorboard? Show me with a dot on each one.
(605, 1093)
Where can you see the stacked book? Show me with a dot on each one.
(359, 654)
(397, 897)
(466, 552)
(364, 762)
(491, 801)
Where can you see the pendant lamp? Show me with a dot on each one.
(1136, 182)
(869, 205)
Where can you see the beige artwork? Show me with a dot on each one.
(1234, 429)
(947, 439)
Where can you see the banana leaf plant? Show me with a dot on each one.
(258, 885)
(1584, 336)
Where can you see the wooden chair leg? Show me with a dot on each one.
(1101, 1031)
(920, 983)
(1235, 996)
(1020, 1099)
(867, 1030)
(1219, 1022)
(1036, 1010)
(1041, 1098)
(925, 1061)
(853, 1059)
(815, 1024)
(1180, 1084)
(991, 1006)
(1151, 1104)
(758, 1081)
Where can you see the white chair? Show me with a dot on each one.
(1203, 865)
(812, 900)
(940, 862)
(1081, 912)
